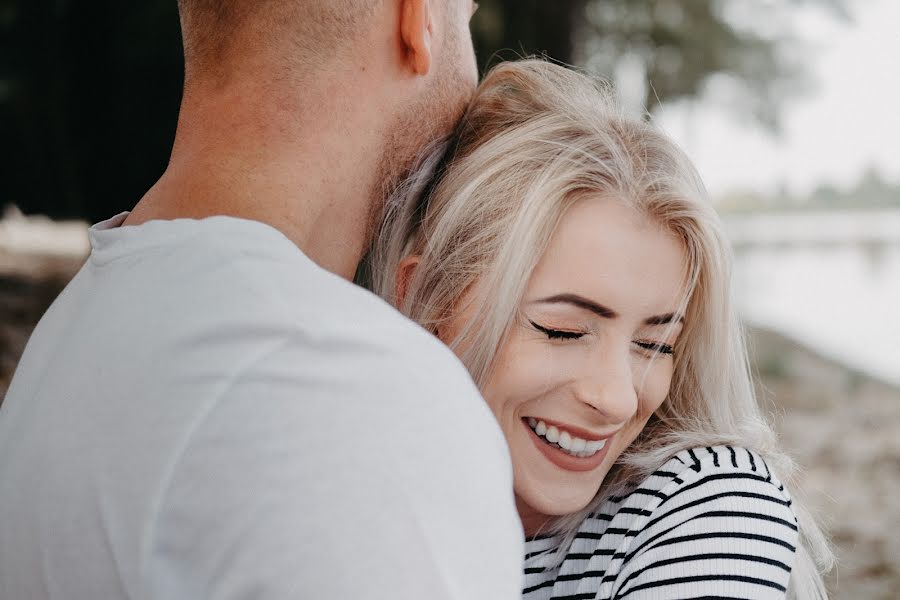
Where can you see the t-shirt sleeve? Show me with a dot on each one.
(724, 530)
(374, 482)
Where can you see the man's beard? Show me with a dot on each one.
(434, 117)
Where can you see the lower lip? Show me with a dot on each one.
(563, 459)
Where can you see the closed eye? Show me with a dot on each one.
(557, 334)
(655, 347)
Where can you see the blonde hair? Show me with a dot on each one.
(537, 138)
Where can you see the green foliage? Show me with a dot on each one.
(89, 95)
(680, 45)
(89, 91)
(507, 29)
(869, 192)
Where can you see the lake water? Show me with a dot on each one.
(829, 280)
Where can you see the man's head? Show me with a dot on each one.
(411, 61)
(302, 33)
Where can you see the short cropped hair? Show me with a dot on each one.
(311, 30)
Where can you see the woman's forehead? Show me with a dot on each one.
(607, 251)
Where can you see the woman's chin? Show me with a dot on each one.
(542, 488)
(536, 506)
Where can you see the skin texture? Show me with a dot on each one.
(603, 383)
(313, 154)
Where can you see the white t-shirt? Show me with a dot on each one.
(206, 413)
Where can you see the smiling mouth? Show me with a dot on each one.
(563, 440)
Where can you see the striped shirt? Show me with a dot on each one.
(710, 523)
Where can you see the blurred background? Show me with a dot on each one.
(787, 107)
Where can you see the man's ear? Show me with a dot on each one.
(405, 271)
(416, 32)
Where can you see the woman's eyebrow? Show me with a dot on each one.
(580, 302)
(605, 312)
(664, 319)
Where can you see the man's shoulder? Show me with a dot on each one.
(248, 273)
(269, 328)
(330, 316)
(242, 296)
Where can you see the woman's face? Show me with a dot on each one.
(588, 359)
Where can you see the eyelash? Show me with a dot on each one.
(656, 348)
(557, 334)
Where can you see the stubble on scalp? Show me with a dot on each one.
(308, 34)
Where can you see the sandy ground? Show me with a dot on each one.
(844, 430)
(843, 427)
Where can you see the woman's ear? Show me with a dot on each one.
(405, 271)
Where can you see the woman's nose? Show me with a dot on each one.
(610, 389)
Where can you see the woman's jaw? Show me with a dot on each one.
(549, 481)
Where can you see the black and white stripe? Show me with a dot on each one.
(711, 523)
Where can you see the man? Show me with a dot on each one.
(210, 409)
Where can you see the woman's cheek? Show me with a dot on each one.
(655, 387)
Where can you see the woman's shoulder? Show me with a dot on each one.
(716, 463)
(708, 522)
(717, 514)
(719, 477)
(718, 471)
(702, 471)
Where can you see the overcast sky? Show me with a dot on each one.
(849, 121)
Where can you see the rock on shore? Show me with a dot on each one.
(843, 428)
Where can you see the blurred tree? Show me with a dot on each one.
(826, 195)
(677, 47)
(873, 190)
(89, 95)
(89, 91)
(506, 29)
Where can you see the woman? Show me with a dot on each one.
(570, 258)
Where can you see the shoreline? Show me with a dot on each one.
(842, 426)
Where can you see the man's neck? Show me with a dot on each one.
(311, 174)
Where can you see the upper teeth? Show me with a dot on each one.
(575, 446)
